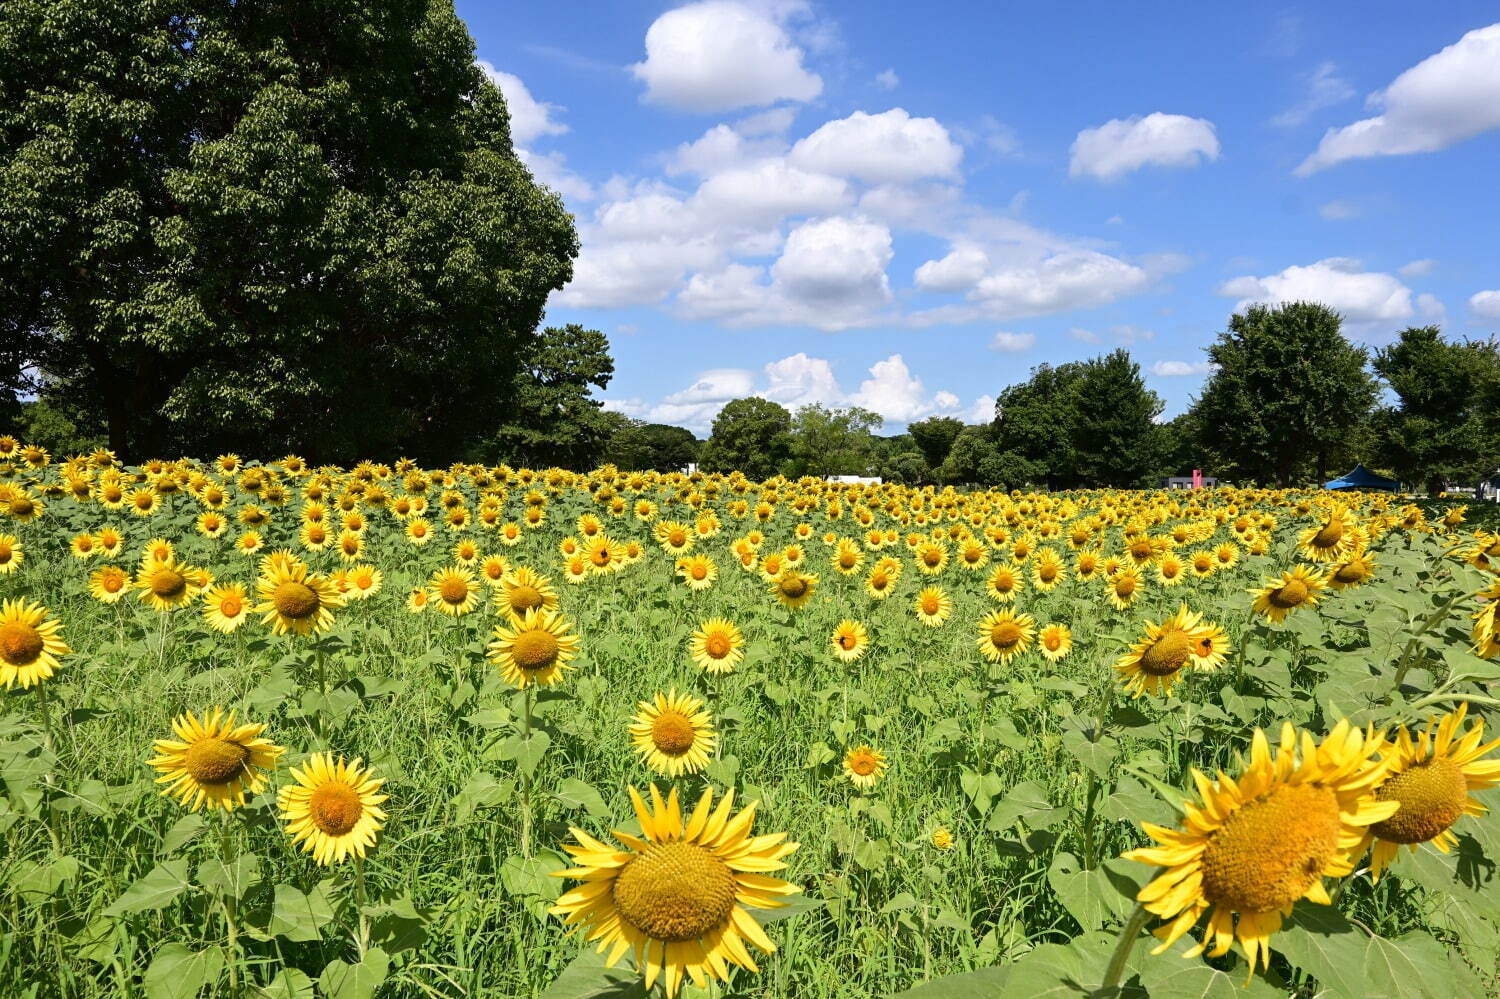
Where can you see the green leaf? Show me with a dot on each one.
(299, 917)
(1414, 964)
(35, 881)
(1095, 897)
(1097, 756)
(1025, 802)
(165, 882)
(289, 983)
(574, 793)
(183, 831)
(795, 906)
(482, 791)
(1321, 942)
(231, 880)
(981, 789)
(587, 978)
(341, 980)
(178, 972)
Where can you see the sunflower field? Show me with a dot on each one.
(273, 730)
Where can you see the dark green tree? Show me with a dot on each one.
(636, 445)
(1287, 391)
(1033, 427)
(268, 224)
(555, 420)
(826, 441)
(1439, 429)
(974, 459)
(1113, 428)
(935, 436)
(750, 435)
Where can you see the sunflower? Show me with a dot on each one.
(523, 589)
(1331, 539)
(847, 557)
(1353, 570)
(881, 582)
(418, 531)
(674, 734)
(224, 607)
(511, 533)
(676, 538)
(942, 838)
(1279, 597)
(314, 535)
(1261, 842)
(1004, 635)
(364, 581)
(931, 558)
(1047, 570)
(717, 646)
(1086, 565)
(167, 584)
(213, 761)
(933, 606)
(1226, 554)
(1123, 588)
(1432, 778)
(493, 569)
(248, 543)
(416, 600)
(1156, 660)
(577, 570)
(605, 555)
(1203, 563)
(29, 644)
(850, 640)
(453, 590)
(794, 589)
(1210, 648)
(294, 600)
(535, 649)
(697, 571)
(1170, 569)
(82, 546)
(676, 893)
(333, 808)
(1055, 642)
(108, 584)
(211, 524)
(110, 541)
(864, 766)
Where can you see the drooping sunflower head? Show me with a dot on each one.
(674, 734)
(717, 646)
(1156, 661)
(1259, 843)
(29, 644)
(534, 650)
(678, 895)
(1301, 587)
(1433, 777)
(213, 761)
(332, 808)
(864, 766)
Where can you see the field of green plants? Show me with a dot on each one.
(960, 809)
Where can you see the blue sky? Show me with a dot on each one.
(850, 204)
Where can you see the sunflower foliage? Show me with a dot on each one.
(273, 729)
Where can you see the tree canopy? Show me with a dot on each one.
(751, 435)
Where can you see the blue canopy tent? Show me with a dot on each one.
(1361, 477)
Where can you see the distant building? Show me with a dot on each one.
(1186, 482)
(856, 480)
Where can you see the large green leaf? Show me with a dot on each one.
(587, 978)
(1322, 943)
(165, 882)
(179, 972)
(300, 917)
(341, 980)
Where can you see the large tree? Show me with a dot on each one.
(1439, 429)
(826, 441)
(751, 435)
(1034, 427)
(1115, 438)
(555, 420)
(268, 224)
(1287, 392)
(934, 437)
(636, 445)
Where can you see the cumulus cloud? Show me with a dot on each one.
(983, 410)
(1074, 279)
(1012, 343)
(893, 391)
(529, 118)
(1444, 99)
(960, 270)
(718, 55)
(1338, 282)
(890, 147)
(1485, 304)
(800, 380)
(1122, 145)
(1180, 369)
(1324, 90)
(835, 261)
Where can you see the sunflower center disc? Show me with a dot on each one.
(454, 591)
(294, 600)
(335, 808)
(847, 642)
(20, 643)
(1005, 635)
(230, 606)
(1330, 535)
(717, 646)
(672, 733)
(793, 587)
(215, 761)
(863, 764)
(1289, 594)
(524, 598)
(167, 583)
(1271, 850)
(675, 892)
(21, 506)
(534, 650)
(1167, 654)
(1124, 586)
(1432, 797)
(1349, 572)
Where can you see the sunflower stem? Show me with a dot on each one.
(362, 942)
(44, 708)
(227, 849)
(1115, 970)
(526, 776)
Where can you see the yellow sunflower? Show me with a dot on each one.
(1353, 570)
(674, 734)
(1302, 587)
(1261, 842)
(850, 640)
(453, 590)
(333, 808)
(524, 589)
(294, 601)
(881, 582)
(717, 646)
(1004, 635)
(1433, 778)
(676, 894)
(1155, 662)
(364, 581)
(108, 584)
(167, 584)
(213, 761)
(697, 571)
(225, 607)
(1055, 642)
(1123, 588)
(535, 650)
(1334, 537)
(794, 589)
(29, 644)
(864, 766)
(933, 606)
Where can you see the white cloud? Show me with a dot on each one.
(716, 384)
(800, 380)
(890, 147)
(1324, 90)
(960, 270)
(551, 169)
(983, 410)
(529, 118)
(892, 391)
(1361, 296)
(767, 191)
(1074, 279)
(945, 401)
(1340, 211)
(1121, 145)
(887, 79)
(1442, 100)
(720, 148)
(1012, 343)
(835, 262)
(718, 55)
(1485, 304)
(1417, 268)
(1180, 369)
